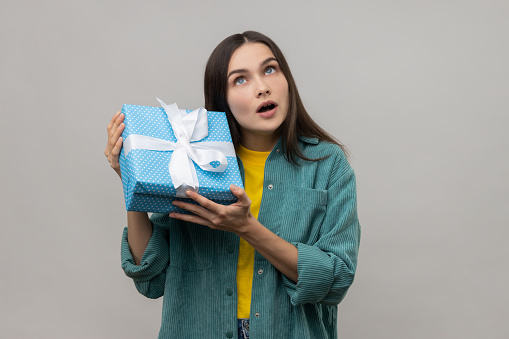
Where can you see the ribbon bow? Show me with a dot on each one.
(188, 128)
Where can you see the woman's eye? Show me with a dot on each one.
(240, 81)
(270, 70)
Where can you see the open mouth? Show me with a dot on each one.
(266, 108)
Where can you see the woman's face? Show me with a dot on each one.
(257, 94)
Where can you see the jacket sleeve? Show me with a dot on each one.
(326, 268)
(149, 277)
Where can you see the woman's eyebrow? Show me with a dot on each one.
(243, 70)
(266, 61)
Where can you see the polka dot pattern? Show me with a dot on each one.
(153, 122)
(145, 176)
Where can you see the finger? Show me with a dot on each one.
(240, 194)
(116, 123)
(116, 135)
(191, 218)
(116, 149)
(114, 154)
(112, 120)
(110, 125)
(198, 210)
(208, 204)
(118, 132)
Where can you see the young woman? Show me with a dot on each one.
(276, 263)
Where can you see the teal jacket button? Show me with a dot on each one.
(229, 291)
(229, 334)
(231, 249)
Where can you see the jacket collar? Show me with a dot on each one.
(308, 140)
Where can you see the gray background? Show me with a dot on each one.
(417, 90)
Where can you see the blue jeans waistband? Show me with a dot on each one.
(243, 325)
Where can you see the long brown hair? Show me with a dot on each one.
(297, 124)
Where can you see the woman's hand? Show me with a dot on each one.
(238, 219)
(114, 145)
(233, 218)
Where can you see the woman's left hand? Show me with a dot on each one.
(233, 218)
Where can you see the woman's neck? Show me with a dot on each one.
(259, 142)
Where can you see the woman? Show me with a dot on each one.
(276, 263)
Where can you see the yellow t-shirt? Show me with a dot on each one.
(254, 167)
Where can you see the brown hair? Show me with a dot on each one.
(297, 124)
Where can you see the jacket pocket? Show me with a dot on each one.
(302, 214)
(191, 246)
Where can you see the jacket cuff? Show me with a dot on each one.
(154, 259)
(316, 275)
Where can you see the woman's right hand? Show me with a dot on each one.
(114, 145)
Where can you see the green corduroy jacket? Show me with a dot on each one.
(313, 205)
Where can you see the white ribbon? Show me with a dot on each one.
(188, 127)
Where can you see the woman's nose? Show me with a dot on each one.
(263, 89)
(267, 91)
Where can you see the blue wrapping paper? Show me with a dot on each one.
(145, 175)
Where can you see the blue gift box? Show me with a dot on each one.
(148, 185)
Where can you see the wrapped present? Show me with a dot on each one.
(167, 151)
